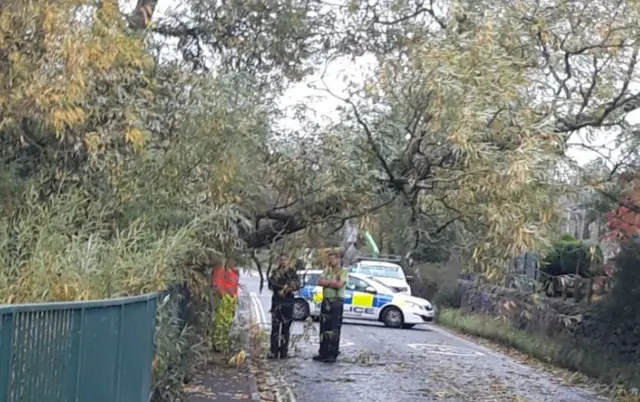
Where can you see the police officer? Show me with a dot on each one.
(333, 281)
(283, 282)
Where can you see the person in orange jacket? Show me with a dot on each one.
(225, 281)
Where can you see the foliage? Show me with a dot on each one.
(122, 177)
(449, 296)
(75, 90)
(130, 166)
(623, 223)
(174, 350)
(567, 238)
(223, 318)
(619, 309)
(65, 250)
(570, 256)
(438, 282)
(593, 361)
(397, 231)
(453, 166)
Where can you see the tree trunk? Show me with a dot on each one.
(141, 16)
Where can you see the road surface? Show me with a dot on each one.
(397, 365)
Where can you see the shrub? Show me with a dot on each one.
(431, 278)
(618, 313)
(570, 256)
(65, 249)
(173, 339)
(449, 296)
(70, 248)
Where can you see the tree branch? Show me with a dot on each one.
(284, 224)
(142, 14)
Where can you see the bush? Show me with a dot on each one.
(449, 296)
(432, 278)
(570, 256)
(618, 313)
(596, 362)
(65, 249)
(69, 248)
(173, 339)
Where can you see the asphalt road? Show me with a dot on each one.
(397, 365)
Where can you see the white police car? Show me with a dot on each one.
(386, 269)
(366, 298)
(303, 298)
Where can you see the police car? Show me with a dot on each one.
(366, 298)
(304, 297)
(385, 269)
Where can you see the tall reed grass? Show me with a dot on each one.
(71, 249)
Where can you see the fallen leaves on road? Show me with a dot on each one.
(560, 375)
(270, 386)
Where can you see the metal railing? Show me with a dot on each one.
(94, 351)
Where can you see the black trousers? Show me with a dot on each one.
(330, 325)
(281, 319)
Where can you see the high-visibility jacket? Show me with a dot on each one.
(225, 280)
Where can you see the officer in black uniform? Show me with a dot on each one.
(283, 282)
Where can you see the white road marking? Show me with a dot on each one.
(262, 312)
(255, 313)
(471, 344)
(343, 344)
(445, 350)
(261, 317)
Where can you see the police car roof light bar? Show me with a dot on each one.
(380, 257)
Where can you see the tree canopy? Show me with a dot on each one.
(141, 148)
(461, 123)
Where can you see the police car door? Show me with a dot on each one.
(361, 302)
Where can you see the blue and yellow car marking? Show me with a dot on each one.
(361, 299)
(358, 299)
(311, 293)
(381, 299)
(317, 295)
(307, 292)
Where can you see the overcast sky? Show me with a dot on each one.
(325, 105)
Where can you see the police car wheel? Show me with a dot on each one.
(300, 310)
(392, 317)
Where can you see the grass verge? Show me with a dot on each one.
(595, 363)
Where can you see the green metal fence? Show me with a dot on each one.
(96, 351)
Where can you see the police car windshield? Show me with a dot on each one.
(382, 271)
(308, 279)
(381, 286)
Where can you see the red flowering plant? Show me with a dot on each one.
(623, 223)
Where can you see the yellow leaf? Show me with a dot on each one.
(91, 141)
(135, 137)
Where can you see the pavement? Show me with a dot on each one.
(222, 382)
(426, 363)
